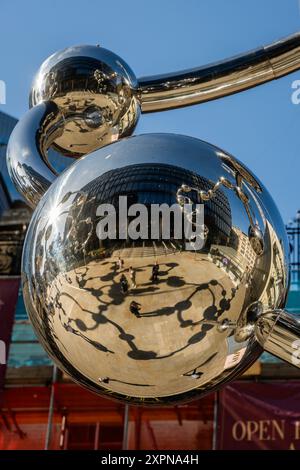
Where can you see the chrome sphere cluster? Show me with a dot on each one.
(120, 301)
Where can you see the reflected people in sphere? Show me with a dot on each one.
(147, 320)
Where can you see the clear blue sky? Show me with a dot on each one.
(260, 126)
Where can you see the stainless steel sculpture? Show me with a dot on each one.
(147, 321)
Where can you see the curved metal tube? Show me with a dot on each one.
(209, 82)
(27, 148)
(38, 129)
(278, 332)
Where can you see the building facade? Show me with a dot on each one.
(7, 123)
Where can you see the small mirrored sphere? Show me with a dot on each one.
(96, 93)
(130, 306)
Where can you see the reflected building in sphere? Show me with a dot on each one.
(154, 184)
(189, 328)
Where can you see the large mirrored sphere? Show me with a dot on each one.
(96, 93)
(156, 320)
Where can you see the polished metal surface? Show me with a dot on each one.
(99, 98)
(148, 321)
(96, 93)
(254, 233)
(27, 151)
(278, 332)
(209, 82)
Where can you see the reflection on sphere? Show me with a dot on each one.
(148, 321)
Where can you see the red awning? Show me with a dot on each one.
(31, 404)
